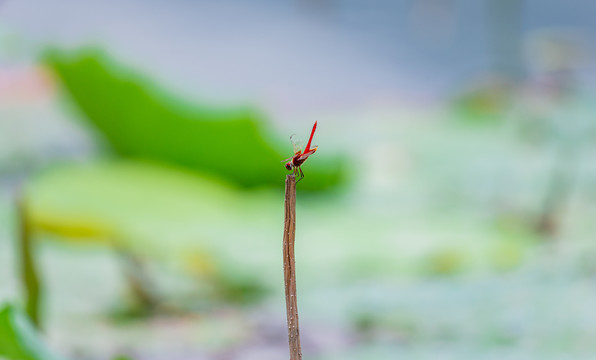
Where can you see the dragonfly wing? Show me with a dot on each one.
(296, 143)
(308, 153)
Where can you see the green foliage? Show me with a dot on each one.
(446, 262)
(484, 104)
(239, 289)
(29, 268)
(140, 120)
(18, 338)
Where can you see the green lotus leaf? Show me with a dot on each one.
(138, 119)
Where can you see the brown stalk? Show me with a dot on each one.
(290, 268)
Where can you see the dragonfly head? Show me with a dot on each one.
(289, 165)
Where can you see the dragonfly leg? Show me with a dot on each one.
(301, 174)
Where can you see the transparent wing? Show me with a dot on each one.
(296, 143)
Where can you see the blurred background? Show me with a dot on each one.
(448, 213)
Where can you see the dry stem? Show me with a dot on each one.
(290, 268)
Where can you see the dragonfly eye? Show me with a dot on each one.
(289, 166)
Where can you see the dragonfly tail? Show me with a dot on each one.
(312, 133)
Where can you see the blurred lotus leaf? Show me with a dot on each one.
(138, 119)
(485, 103)
(18, 338)
(446, 262)
(190, 224)
(166, 213)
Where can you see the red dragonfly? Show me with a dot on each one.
(296, 161)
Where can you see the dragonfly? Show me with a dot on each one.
(295, 162)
